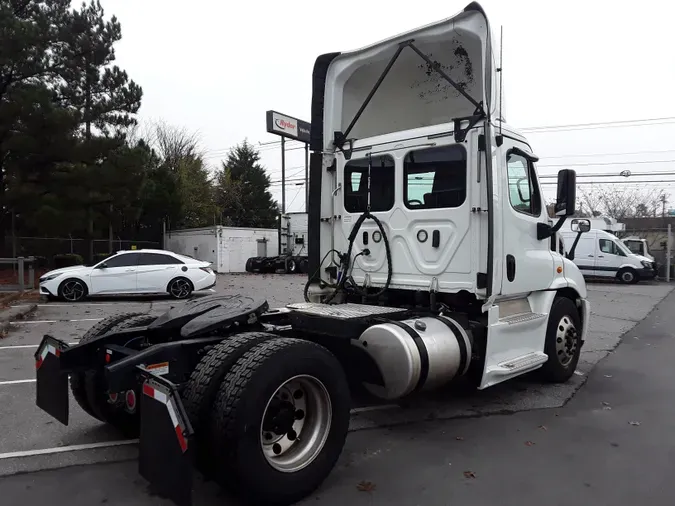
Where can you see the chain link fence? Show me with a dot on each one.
(44, 249)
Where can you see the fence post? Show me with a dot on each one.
(668, 254)
(31, 273)
(21, 280)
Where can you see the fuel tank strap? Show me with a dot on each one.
(457, 331)
(421, 348)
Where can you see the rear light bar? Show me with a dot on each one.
(206, 269)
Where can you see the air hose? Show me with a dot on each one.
(344, 275)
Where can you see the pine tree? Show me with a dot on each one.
(242, 190)
(100, 95)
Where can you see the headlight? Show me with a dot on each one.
(646, 264)
(49, 277)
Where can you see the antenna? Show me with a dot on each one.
(501, 76)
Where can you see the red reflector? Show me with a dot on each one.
(38, 364)
(57, 352)
(149, 391)
(181, 439)
(107, 358)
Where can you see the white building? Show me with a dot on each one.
(227, 248)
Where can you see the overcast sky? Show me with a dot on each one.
(215, 67)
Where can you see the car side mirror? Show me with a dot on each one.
(103, 266)
(567, 193)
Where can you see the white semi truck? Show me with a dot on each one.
(432, 260)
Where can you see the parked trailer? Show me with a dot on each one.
(433, 261)
(293, 238)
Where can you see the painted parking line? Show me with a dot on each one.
(64, 449)
(27, 322)
(17, 382)
(26, 346)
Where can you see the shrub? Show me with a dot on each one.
(67, 260)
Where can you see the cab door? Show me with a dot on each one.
(528, 261)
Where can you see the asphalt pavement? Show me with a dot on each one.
(553, 455)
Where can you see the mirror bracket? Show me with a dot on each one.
(544, 230)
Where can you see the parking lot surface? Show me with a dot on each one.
(30, 440)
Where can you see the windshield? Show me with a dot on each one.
(621, 246)
(634, 247)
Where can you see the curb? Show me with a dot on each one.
(12, 314)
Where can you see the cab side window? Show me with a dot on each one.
(522, 182)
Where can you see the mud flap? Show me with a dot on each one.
(165, 449)
(52, 382)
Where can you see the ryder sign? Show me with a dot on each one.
(286, 126)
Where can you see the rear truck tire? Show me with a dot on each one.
(291, 265)
(249, 265)
(180, 288)
(628, 276)
(563, 341)
(304, 266)
(112, 409)
(280, 419)
(72, 290)
(202, 387)
(77, 380)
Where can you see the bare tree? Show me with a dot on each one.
(175, 144)
(621, 202)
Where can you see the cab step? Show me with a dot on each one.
(519, 365)
(522, 318)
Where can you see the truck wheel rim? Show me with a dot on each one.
(566, 341)
(627, 276)
(296, 424)
(73, 290)
(180, 288)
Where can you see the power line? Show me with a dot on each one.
(609, 154)
(603, 124)
(587, 164)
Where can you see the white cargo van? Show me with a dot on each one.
(601, 254)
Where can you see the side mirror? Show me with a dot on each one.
(581, 225)
(567, 193)
(103, 266)
(578, 225)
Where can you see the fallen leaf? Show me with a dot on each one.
(529, 443)
(459, 438)
(469, 474)
(607, 408)
(634, 423)
(605, 403)
(608, 375)
(366, 486)
(543, 427)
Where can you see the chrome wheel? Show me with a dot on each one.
(73, 290)
(566, 341)
(180, 288)
(296, 424)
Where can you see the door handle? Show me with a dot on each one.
(590, 256)
(130, 270)
(510, 267)
(601, 256)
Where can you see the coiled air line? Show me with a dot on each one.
(344, 274)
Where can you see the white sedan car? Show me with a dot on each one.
(130, 272)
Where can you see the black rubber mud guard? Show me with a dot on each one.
(52, 383)
(165, 445)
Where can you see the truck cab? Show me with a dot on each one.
(421, 195)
